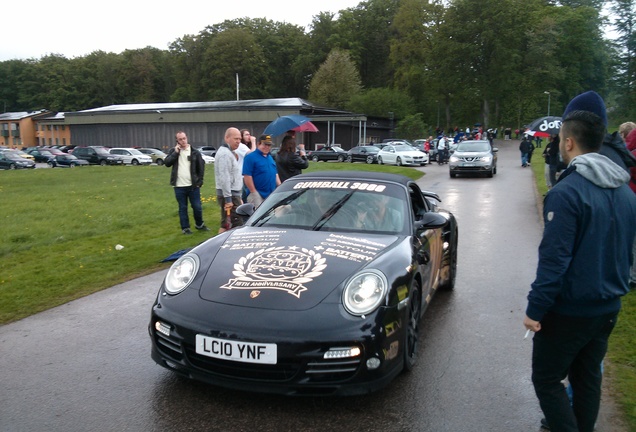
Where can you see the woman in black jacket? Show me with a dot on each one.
(289, 162)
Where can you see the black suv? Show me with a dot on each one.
(96, 155)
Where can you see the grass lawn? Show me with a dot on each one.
(620, 362)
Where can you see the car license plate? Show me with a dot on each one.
(247, 352)
(469, 165)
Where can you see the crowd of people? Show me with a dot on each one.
(244, 171)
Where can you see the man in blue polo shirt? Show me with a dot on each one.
(259, 172)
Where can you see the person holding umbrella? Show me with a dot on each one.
(289, 162)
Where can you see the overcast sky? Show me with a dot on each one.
(75, 28)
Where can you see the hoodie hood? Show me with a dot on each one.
(600, 170)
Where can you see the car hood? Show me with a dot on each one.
(285, 269)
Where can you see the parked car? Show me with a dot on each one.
(9, 160)
(40, 155)
(401, 154)
(66, 161)
(475, 157)
(54, 150)
(97, 155)
(207, 159)
(156, 155)
(328, 154)
(207, 150)
(68, 149)
(330, 305)
(21, 153)
(364, 153)
(131, 156)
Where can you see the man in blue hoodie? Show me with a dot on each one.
(583, 270)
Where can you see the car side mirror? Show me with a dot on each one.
(246, 210)
(495, 149)
(431, 220)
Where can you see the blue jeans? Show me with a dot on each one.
(192, 194)
(572, 347)
(524, 159)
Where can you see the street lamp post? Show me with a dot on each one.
(548, 93)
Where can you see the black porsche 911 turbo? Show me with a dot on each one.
(319, 293)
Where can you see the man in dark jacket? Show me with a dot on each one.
(524, 148)
(583, 270)
(188, 169)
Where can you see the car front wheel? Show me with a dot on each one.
(12, 166)
(349, 159)
(103, 163)
(341, 158)
(135, 162)
(412, 331)
(159, 161)
(380, 160)
(398, 161)
(314, 158)
(51, 164)
(369, 159)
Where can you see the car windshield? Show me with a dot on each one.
(473, 147)
(333, 206)
(404, 148)
(135, 152)
(101, 151)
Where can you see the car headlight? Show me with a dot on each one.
(181, 273)
(486, 159)
(364, 292)
(454, 159)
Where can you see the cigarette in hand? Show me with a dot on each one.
(527, 334)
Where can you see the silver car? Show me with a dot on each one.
(473, 157)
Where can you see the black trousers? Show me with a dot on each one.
(572, 347)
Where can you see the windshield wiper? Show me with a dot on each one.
(331, 212)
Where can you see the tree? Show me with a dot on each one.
(625, 59)
(336, 81)
(222, 61)
(379, 102)
(412, 127)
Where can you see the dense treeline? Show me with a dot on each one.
(427, 62)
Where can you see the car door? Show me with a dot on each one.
(389, 155)
(427, 242)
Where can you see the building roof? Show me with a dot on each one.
(16, 116)
(253, 104)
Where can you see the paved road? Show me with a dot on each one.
(85, 366)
